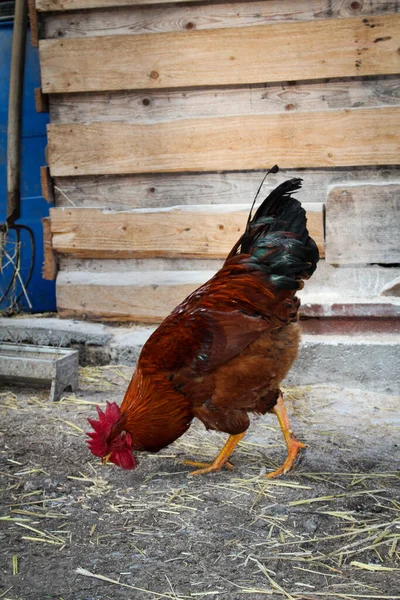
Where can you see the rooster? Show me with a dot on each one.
(223, 352)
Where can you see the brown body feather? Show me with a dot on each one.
(249, 343)
(223, 352)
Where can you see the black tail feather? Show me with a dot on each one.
(286, 211)
(278, 239)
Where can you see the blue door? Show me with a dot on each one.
(17, 261)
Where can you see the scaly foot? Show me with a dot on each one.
(207, 467)
(293, 450)
(293, 446)
(222, 458)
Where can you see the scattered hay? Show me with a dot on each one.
(104, 378)
(87, 573)
(349, 545)
(15, 565)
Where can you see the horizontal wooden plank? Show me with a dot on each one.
(137, 296)
(195, 231)
(361, 281)
(202, 15)
(264, 53)
(150, 297)
(128, 265)
(292, 140)
(56, 5)
(263, 99)
(354, 281)
(363, 224)
(124, 192)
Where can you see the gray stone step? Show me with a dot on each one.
(365, 361)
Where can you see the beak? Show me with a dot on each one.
(105, 459)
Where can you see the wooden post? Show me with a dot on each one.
(50, 265)
(34, 23)
(47, 185)
(41, 101)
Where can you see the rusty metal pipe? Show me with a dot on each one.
(15, 112)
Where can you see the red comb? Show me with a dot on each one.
(102, 428)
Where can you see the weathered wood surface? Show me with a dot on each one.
(55, 5)
(262, 99)
(46, 183)
(230, 56)
(33, 24)
(124, 192)
(128, 265)
(194, 231)
(292, 140)
(358, 280)
(392, 288)
(149, 297)
(138, 296)
(50, 267)
(41, 101)
(137, 19)
(363, 224)
(353, 281)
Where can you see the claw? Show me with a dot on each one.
(293, 451)
(220, 461)
(293, 445)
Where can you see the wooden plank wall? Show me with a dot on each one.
(229, 56)
(164, 116)
(191, 232)
(362, 222)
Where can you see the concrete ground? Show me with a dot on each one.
(74, 530)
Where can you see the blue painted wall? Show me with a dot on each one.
(33, 207)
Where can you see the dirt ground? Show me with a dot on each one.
(71, 529)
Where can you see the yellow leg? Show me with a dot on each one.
(222, 458)
(292, 444)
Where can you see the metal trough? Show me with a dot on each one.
(40, 365)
